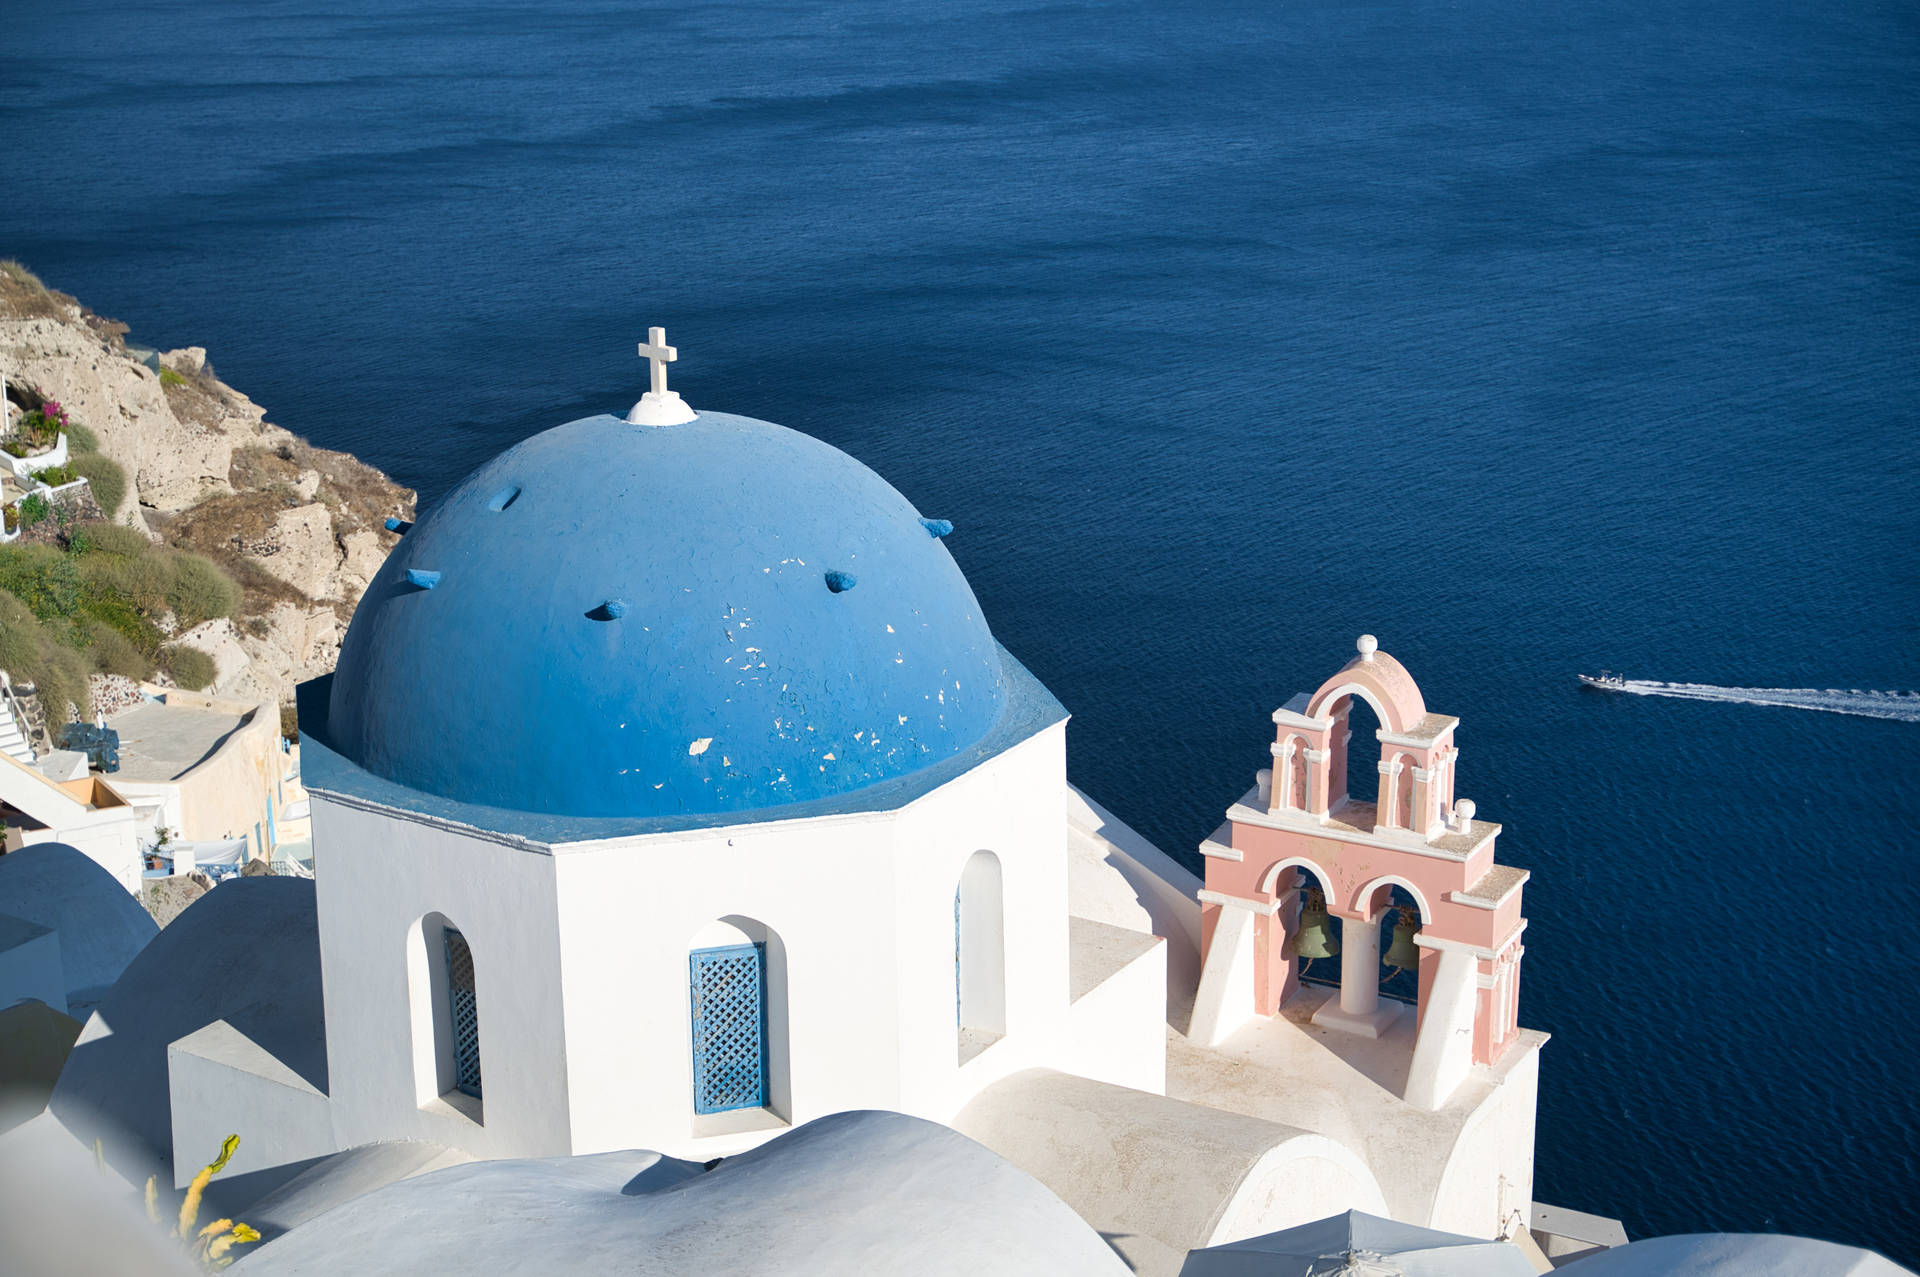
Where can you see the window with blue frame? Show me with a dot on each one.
(729, 1007)
(463, 1014)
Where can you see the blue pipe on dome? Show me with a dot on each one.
(398, 525)
(421, 577)
(841, 582)
(937, 528)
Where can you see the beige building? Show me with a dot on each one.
(208, 769)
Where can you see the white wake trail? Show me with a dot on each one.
(1902, 707)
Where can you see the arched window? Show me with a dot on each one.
(463, 1014)
(737, 992)
(979, 956)
(444, 993)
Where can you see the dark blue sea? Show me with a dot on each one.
(1531, 336)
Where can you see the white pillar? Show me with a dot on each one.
(1420, 819)
(1358, 1008)
(1387, 812)
(1359, 966)
(1316, 759)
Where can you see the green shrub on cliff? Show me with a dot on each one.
(97, 605)
(141, 582)
(120, 614)
(191, 668)
(116, 540)
(200, 591)
(31, 652)
(111, 652)
(42, 577)
(104, 475)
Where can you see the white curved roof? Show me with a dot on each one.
(1735, 1255)
(100, 926)
(866, 1192)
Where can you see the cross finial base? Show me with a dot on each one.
(661, 408)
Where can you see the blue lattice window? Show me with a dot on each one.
(729, 991)
(463, 1014)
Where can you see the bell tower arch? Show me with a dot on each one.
(1299, 831)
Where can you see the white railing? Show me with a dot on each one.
(10, 707)
(50, 495)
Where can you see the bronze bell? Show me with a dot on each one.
(1314, 937)
(1403, 953)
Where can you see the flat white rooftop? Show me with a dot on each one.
(1287, 1069)
(165, 742)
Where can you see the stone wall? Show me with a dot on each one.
(69, 506)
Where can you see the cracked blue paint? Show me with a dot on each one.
(508, 693)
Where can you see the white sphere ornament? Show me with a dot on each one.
(1463, 812)
(664, 408)
(1367, 645)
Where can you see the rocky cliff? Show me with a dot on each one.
(300, 528)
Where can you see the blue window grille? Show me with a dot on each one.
(729, 988)
(464, 1014)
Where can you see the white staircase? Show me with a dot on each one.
(13, 731)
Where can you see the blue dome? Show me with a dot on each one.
(621, 620)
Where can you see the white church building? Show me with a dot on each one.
(671, 791)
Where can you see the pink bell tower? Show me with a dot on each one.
(1297, 829)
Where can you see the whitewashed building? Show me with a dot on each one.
(672, 791)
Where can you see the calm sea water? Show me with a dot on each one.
(1530, 336)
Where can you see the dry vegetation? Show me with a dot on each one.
(23, 296)
(221, 528)
(197, 396)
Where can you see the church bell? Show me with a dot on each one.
(1314, 938)
(1403, 953)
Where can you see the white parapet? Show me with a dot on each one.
(1116, 1024)
(30, 965)
(221, 1082)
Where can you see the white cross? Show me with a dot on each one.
(656, 349)
(659, 406)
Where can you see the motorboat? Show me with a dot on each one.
(1605, 680)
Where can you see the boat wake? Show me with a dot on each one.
(1902, 707)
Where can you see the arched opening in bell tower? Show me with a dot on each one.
(1355, 750)
(1398, 919)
